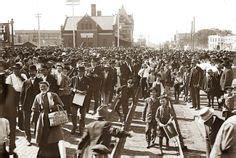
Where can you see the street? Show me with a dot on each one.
(192, 132)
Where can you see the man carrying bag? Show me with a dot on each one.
(79, 85)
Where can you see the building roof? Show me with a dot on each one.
(35, 31)
(105, 22)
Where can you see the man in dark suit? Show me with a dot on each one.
(227, 76)
(96, 78)
(46, 76)
(149, 114)
(195, 82)
(124, 92)
(212, 124)
(126, 71)
(97, 136)
(107, 83)
(30, 89)
(79, 84)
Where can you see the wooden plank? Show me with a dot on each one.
(117, 151)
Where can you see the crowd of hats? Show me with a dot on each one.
(67, 56)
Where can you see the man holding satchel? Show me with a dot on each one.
(79, 86)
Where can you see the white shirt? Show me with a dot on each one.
(4, 130)
(144, 73)
(59, 78)
(162, 87)
(15, 81)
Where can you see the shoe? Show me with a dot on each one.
(28, 143)
(94, 112)
(208, 105)
(151, 145)
(161, 152)
(167, 146)
(148, 145)
(197, 109)
(191, 107)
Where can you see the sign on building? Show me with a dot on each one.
(86, 35)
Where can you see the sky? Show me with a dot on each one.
(156, 20)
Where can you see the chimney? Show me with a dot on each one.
(93, 9)
(99, 13)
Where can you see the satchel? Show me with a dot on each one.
(58, 117)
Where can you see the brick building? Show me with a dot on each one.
(96, 30)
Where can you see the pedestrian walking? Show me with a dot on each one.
(149, 114)
(164, 116)
(48, 138)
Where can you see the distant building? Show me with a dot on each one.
(47, 37)
(216, 42)
(182, 40)
(96, 30)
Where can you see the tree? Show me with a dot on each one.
(201, 37)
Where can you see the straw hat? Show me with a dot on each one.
(205, 114)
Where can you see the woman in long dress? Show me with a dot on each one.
(47, 137)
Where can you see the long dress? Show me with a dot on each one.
(47, 137)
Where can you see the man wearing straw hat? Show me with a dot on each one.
(212, 124)
(96, 139)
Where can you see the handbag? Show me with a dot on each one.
(58, 117)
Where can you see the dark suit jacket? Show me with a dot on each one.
(126, 93)
(80, 84)
(196, 77)
(150, 109)
(109, 81)
(64, 88)
(28, 93)
(211, 135)
(226, 78)
(98, 132)
(97, 80)
(125, 71)
(53, 83)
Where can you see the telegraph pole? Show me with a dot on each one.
(118, 29)
(12, 34)
(73, 3)
(193, 32)
(38, 16)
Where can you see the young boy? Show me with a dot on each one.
(164, 116)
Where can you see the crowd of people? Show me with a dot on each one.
(34, 81)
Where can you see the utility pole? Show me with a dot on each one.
(193, 32)
(118, 29)
(12, 34)
(73, 3)
(38, 15)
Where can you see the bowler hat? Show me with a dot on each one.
(44, 82)
(229, 87)
(81, 68)
(16, 66)
(33, 68)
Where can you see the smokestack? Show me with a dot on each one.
(99, 13)
(93, 9)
